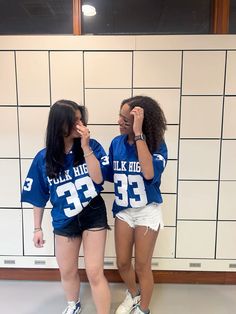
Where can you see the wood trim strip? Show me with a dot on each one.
(77, 17)
(188, 277)
(220, 14)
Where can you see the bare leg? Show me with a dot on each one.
(124, 239)
(94, 247)
(67, 252)
(144, 245)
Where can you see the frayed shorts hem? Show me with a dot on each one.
(149, 216)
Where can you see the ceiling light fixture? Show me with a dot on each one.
(88, 10)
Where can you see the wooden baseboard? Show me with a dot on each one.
(191, 277)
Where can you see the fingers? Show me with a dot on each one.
(82, 130)
(84, 133)
(38, 242)
(137, 112)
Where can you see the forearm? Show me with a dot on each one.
(38, 233)
(145, 160)
(93, 165)
(38, 217)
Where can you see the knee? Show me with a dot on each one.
(142, 268)
(68, 273)
(123, 266)
(94, 275)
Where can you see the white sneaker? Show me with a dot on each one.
(128, 304)
(73, 308)
(137, 310)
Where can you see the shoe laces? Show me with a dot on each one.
(128, 297)
(70, 309)
(129, 300)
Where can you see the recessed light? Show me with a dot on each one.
(88, 10)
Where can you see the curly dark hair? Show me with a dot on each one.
(154, 123)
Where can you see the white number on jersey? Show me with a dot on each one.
(73, 197)
(124, 183)
(28, 184)
(105, 160)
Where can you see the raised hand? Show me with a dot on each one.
(138, 114)
(84, 134)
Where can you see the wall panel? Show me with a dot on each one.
(193, 79)
(7, 78)
(33, 77)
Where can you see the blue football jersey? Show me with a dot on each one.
(69, 192)
(131, 188)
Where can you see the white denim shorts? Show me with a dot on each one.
(149, 216)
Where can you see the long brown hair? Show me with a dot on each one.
(61, 121)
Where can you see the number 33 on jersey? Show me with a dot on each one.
(131, 188)
(69, 192)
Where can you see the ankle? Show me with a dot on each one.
(144, 311)
(135, 294)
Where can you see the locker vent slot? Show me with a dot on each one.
(9, 261)
(38, 262)
(109, 263)
(196, 265)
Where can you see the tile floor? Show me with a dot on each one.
(37, 297)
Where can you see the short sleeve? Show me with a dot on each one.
(101, 155)
(159, 161)
(110, 172)
(35, 189)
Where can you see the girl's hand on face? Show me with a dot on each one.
(138, 114)
(84, 134)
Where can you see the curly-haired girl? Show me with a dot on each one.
(137, 159)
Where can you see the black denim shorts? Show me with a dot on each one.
(93, 216)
